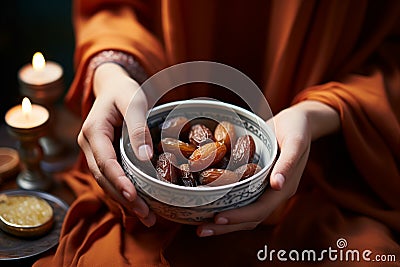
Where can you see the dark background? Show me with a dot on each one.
(27, 27)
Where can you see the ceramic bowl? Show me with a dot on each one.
(195, 205)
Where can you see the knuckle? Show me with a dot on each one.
(98, 177)
(87, 127)
(81, 139)
(139, 130)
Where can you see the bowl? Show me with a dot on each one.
(196, 205)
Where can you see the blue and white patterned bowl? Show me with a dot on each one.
(195, 205)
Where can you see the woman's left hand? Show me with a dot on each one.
(295, 128)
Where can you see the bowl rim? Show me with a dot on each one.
(265, 169)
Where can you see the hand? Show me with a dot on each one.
(295, 128)
(115, 93)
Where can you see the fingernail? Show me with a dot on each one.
(206, 232)
(149, 221)
(280, 179)
(139, 212)
(221, 220)
(127, 196)
(145, 152)
(147, 224)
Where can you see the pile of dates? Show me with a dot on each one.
(191, 154)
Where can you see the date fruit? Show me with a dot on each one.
(247, 170)
(175, 127)
(201, 151)
(176, 147)
(223, 163)
(206, 155)
(225, 133)
(165, 167)
(217, 177)
(187, 177)
(199, 135)
(243, 151)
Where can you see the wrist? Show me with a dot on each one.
(121, 61)
(108, 75)
(322, 119)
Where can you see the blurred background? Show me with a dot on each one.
(27, 27)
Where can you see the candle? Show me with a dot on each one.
(40, 72)
(26, 115)
(28, 123)
(43, 82)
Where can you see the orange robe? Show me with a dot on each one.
(344, 53)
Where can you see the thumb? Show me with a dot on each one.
(291, 153)
(278, 175)
(139, 134)
(141, 140)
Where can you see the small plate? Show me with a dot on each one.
(16, 248)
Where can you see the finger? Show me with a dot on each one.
(149, 220)
(98, 175)
(91, 162)
(255, 212)
(101, 146)
(138, 207)
(292, 150)
(265, 205)
(139, 134)
(212, 229)
(244, 218)
(116, 176)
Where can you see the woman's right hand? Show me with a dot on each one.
(116, 93)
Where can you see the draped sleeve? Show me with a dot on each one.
(126, 26)
(368, 102)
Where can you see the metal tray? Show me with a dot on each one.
(17, 248)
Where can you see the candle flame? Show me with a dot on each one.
(26, 106)
(38, 62)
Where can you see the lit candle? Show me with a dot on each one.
(26, 115)
(40, 72)
(27, 123)
(43, 82)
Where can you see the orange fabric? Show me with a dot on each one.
(342, 53)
